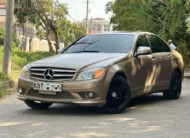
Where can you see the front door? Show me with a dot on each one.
(141, 69)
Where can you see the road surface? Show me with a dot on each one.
(148, 117)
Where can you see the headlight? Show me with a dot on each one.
(25, 72)
(91, 74)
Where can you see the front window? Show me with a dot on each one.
(109, 43)
(156, 44)
(142, 41)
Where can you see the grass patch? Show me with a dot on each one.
(4, 77)
(19, 60)
(6, 92)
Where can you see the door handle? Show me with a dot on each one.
(169, 56)
(154, 59)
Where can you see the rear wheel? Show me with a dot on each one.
(37, 105)
(174, 91)
(118, 97)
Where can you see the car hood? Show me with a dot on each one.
(79, 60)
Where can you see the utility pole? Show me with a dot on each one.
(8, 37)
(87, 11)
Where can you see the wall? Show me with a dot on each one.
(34, 44)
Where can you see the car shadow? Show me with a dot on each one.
(148, 100)
(74, 110)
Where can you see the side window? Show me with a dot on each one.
(142, 41)
(165, 47)
(156, 44)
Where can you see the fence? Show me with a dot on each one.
(35, 44)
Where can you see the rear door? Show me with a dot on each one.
(167, 63)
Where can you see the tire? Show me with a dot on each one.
(174, 91)
(118, 97)
(35, 105)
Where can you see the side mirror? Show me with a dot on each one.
(60, 51)
(142, 50)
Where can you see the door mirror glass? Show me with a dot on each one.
(142, 50)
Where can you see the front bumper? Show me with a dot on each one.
(72, 92)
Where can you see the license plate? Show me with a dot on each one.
(45, 86)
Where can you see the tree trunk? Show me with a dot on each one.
(56, 40)
(49, 42)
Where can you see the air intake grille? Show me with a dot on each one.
(59, 74)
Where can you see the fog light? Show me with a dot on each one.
(90, 95)
(20, 90)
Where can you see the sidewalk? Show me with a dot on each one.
(187, 75)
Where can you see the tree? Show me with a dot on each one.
(70, 31)
(164, 17)
(43, 13)
(167, 18)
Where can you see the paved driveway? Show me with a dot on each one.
(148, 117)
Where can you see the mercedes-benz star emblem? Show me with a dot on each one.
(48, 75)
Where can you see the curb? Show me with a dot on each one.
(187, 75)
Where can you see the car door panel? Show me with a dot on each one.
(141, 74)
(162, 65)
(141, 68)
(167, 63)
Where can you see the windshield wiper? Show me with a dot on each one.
(90, 44)
(80, 43)
(85, 51)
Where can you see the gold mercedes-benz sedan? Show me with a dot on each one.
(104, 70)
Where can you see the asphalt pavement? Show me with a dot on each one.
(148, 117)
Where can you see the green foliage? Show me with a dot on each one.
(1, 55)
(6, 92)
(188, 24)
(68, 31)
(16, 42)
(40, 33)
(51, 16)
(3, 77)
(78, 30)
(42, 13)
(2, 34)
(165, 18)
(21, 58)
(183, 49)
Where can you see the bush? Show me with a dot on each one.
(3, 77)
(15, 41)
(2, 34)
(183, 49)
(21, 58)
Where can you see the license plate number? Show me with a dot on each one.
(43, 86)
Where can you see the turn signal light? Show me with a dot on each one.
(99, 73)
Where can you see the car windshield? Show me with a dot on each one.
(109, 43)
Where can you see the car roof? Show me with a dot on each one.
(122, 32)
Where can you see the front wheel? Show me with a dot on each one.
(174, 91)
(37, 105)
(118, 97)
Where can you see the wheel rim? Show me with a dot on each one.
(177, 85)
(117, 95)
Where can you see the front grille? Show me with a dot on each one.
(60, 74)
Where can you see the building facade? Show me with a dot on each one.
(99, 25)
(26, 29)
(3, 13)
